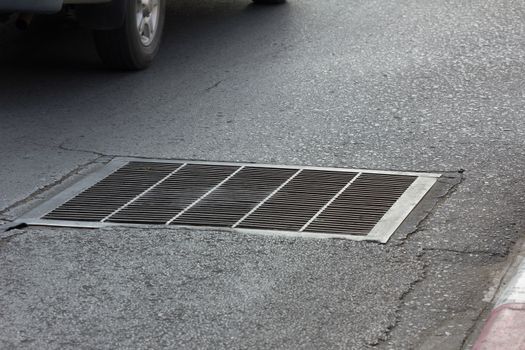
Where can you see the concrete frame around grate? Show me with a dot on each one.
(382, 231)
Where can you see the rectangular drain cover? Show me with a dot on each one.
(309, 201)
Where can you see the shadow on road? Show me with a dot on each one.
(55, 47)
(55, 60)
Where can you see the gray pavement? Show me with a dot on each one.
(404, 85)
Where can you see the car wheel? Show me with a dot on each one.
(135, 43)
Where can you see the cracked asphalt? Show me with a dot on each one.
(382, 84)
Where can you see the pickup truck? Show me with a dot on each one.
(127, 33)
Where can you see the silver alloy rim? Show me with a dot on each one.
(147, 16)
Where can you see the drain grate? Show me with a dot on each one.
(329, 202)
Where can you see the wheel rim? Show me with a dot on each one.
(147, 15)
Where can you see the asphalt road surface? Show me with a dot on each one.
(407, 85)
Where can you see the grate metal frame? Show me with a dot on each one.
(381, 232)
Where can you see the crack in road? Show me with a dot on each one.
(382, 339)
(5, 238)
(67, 149)
(473, 252)
(209, 88)
(439, 199)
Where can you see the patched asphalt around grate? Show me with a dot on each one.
(310, 201)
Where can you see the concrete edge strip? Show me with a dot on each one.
(271, 233)
(504, 329)
(404, 205)
(70, 192)
(124, 160)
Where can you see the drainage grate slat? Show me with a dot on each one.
(112, 192)
(292, 207)
(360, 207)
(174, 194)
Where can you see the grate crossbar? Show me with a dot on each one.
(143, 193)
(203, 196)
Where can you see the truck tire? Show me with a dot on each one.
(134, 44)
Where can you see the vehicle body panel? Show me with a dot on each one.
(41, 6)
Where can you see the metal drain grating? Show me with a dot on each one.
(325, 202)
(239, 195)
(360, 206)
(111, 193)
(173, 195)
(298, 201)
